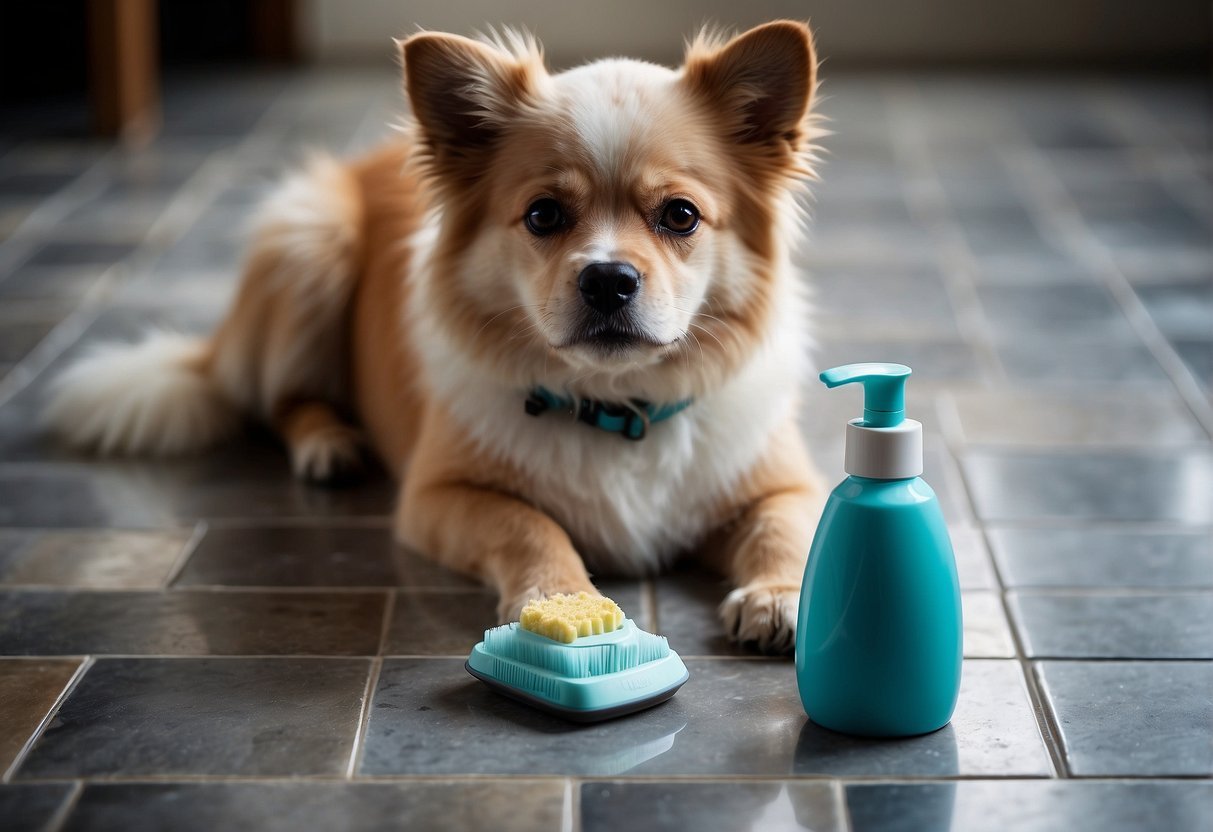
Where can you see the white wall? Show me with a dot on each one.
(848, 30)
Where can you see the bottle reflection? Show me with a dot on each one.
(822, 752)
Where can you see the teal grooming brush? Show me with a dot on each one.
(587, 678)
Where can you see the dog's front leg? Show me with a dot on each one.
(764, 548)
(765, 559)
(492, 536)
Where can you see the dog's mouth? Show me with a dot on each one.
(611, 338)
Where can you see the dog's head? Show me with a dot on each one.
(617, 218)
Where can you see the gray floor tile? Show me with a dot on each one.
(1128, 214)
(1011, 231)
(1104, 557)
(15, 182)
(280, 806)
(1065, 360)
(88, 559)
(1197, 353)
(238, 482)
(312, 555)
(1041, 267)
(770, 806)
(687, 615)
(75, 497)
(1068, 129)
(31, 807)
(200, 491)
(910, 304)
(136, 717)
(1132, 718)
(734, 717)
(1163, 485)
(1030, 806)
(66, 253)
(1064, 625)
(439, 623)
(17, 338)
(993, 732)
(46, 623)
(1074, 417)
(1077, 309)
(28, 690)
(973, 565)
(986, 633)
(1181, 309)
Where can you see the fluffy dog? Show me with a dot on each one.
(560, 308)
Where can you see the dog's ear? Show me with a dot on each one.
(761, 81)
(463, 92)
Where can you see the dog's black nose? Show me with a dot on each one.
(608, 287)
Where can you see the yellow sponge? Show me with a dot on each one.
(565, 617)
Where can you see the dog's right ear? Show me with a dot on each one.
(464, 92)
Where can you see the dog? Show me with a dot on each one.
(560, 308)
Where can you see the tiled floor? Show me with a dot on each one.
(206, 644)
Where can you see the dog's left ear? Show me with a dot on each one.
(464, 92)
(762, 81)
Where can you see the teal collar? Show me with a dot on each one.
(629, 420)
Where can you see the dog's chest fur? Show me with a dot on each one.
(630, 506)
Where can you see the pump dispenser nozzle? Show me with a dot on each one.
(884, 390)
(883, 444)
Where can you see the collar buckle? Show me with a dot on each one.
(631, 421)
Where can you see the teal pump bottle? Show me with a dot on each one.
(878, 638)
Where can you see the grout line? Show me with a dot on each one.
(187, 551)
(59, 819)
(570, 820)
(304, 521)
(364, 718)
(221, 589)
(1049, 739)
(67, 691)
(1140, 526)
(1123, 448)
(1049, 717)
(389, 610)
(469, 778)
(1112, 591)
(839, 792)
(54, 207)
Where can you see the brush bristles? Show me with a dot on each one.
(635, 648)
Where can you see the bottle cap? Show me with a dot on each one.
(883, 444)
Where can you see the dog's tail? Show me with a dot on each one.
(283, 340)
(153, 397)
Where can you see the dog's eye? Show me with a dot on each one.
(679, 217)
(544, 216)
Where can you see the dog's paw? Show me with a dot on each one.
(763, 615)
(329, 456)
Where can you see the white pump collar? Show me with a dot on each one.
(884, 453)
